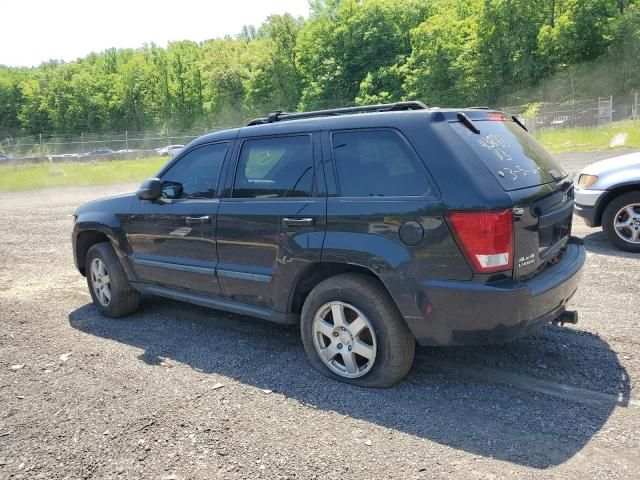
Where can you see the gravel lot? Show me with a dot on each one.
(87, 397)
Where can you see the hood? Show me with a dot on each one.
(628, 162)
(116, 204)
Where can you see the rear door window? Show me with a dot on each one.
(377, 163)
(513, 156)
(275, 167)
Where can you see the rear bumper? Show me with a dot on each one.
(468, 313)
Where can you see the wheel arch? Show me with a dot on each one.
(84, 241)
(610, 195)
(317, 272)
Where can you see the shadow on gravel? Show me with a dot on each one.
(597, 242)
(476, 416)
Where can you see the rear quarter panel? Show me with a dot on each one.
(366, 231)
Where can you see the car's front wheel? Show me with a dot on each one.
(353, 332)
(621, 221)
(110, 289)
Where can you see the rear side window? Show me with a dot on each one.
(377, 163)
(512, 155)
(275, 167)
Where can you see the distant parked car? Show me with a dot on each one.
(63, 156)
(608, 195)
(98, 152)
(170, 150)
(4, 158)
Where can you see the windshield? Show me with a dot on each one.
(512, 155)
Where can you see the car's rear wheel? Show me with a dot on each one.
(621, 221)
(110, 289)
(353, 332)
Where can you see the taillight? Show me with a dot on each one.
(485, 237)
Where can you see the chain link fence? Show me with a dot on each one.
(577, 114)
(95, 146)
(127, 145)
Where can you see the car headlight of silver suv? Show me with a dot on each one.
(586, 180)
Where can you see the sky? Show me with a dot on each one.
(32, 32)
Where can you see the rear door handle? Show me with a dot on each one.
(297, 222)
(192, 220)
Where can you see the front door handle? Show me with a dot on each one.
(192, 220)
(297, 222)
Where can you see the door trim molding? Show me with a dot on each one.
(256, 277)
(174, 266)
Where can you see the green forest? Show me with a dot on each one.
(443, 52)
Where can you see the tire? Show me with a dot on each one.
(123, 299)
(612, 211)
(390, 343)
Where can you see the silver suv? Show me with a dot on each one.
(608, 195)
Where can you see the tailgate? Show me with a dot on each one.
(540, 190)
(542, 225)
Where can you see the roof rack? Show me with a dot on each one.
(387, 107)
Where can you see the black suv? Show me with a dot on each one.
(372, 227)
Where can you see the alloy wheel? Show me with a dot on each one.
(344, 339)
(627, 223)
(100, 282)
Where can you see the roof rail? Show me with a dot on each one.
(386, 107)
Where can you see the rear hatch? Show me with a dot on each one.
(541, 191)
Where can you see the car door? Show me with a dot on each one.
(273, 222)
(173, 239)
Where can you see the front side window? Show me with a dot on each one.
(275, 167)
(377, 163)
(196, 174)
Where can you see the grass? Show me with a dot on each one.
(32, 176)
(583, 140)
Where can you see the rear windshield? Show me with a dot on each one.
(513, 156)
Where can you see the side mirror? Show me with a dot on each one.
(151, 189)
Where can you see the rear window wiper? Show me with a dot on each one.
(517, 120)
(561, 178)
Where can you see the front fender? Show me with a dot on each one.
(94, 227)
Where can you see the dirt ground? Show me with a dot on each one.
(182, 392)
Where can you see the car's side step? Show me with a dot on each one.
(219, 304)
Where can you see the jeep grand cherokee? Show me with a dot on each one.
(373, 228)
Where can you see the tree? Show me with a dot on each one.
(343, 42)
(276, 81)
(444, 67)
(444, 52)
(10, 100)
